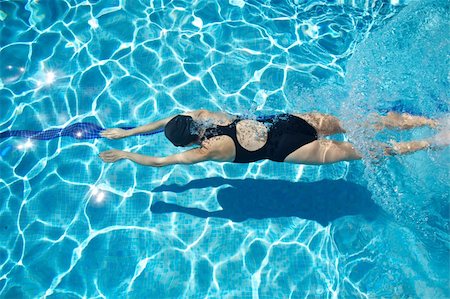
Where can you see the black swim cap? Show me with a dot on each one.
(179, 130)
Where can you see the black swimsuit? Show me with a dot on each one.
(286, 134)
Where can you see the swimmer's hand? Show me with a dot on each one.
(112, 156)
(115, 133)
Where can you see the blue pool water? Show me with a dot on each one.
(74, 227)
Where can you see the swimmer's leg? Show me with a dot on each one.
(324, 124)
(402, 148)
(323, 152)
(438, 141)
(403, 121)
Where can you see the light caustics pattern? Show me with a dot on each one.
(75, 227)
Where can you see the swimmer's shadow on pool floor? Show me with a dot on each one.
(240, 200)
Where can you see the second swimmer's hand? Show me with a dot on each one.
(115, 133)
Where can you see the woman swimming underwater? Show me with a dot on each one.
(292, 138)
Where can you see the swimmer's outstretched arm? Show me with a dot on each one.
(191, 156)
(117, 133)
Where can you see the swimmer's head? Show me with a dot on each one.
(181, 130)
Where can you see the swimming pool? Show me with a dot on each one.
(74, 227)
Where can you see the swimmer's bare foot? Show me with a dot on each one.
(440, 140)
(401, 148)
(404, 121)
(444, 123)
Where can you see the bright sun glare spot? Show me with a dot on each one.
(197, 22)
(100, 197)
(28, 144)
(93, 23)
(94, 190)
(50, 77)
(25, 145)
(79, 134)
